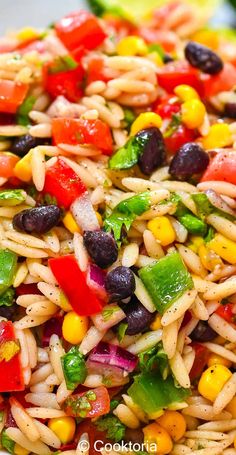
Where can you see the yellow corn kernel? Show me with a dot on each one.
(213, 380)
(224, 247)
(219, 136)
(131, 45)
(174, 423)
(162, 230)
(18, 450)
(215, 358)
(155, 58)
(22, 169)
(208, 258)
(63, 427)
(99, 218)
(156, 324)
(231, 407)
(145, 120)
(74, 327)
(208, 38)
(27, 33)
(64, 303)
(70, 223)
(193, 113)
(157, 440)
(186, 92)
(195, 243)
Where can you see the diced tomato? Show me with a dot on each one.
(12, 95)
(201, 358)
(63, 183)
(78, 53)
(67, 83)
(121, 26)
(99, 404)
(24, 289)
(176, 73)
(11, 377)
(165, 38)
(73, 283)
(96, 70)
(95, 436)
(221, 82)
(82, 131)
(7, 163)
(222, 167)
(80, 28)
(181, 136)
(226, 312)
(165, 108)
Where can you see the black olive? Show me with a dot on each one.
(134, 436)
(22, 144)
(203, 332)
(120, 283)
(138, 317)
(39, 219)
(189, 160)
(102, 247)
(154, 151)
(203, 58)
(230, 110)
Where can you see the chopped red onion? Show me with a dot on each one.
(84, 213)
(96, 280)
(110, 354)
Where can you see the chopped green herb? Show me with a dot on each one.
(11, 198)
(108, 311)
(173, 125)
(7, 443)
(22, 116)
(8, 262)
(210, 234)
(62, 63)
(154, 358)
(121, 331)
(74, 368)
(205, 207)
(129, 117)
(128, 155)
(154, 47)
(113, 404)
(7, 298)
(113, 427)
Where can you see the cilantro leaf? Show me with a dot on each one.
(154, 358)
(7, 298)
(74, 368)
(121, 331)
(113, 427)
(116, 221)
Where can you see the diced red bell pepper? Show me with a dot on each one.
(63, 183)
(201, 358)
(180, 136)
(121, 27)
(226, 312)
(221, 82)
(73, 283)
(176, 73)
(80, 28)
(67, 83)
(30, 288)
(166, 38)
(11, 377)
(12, 95)
(7, 163)
(98, 400)
(222, 167)
(82, 131)
(95, 71)
(165, 108)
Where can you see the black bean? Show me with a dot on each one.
(138, 317)
(120, 283)
(167, 58)
(230, 110)
(203, 332)
(102, 247)
(9, 311)
(189, 160)
(21, 145)
(134, 436)
(39, 219)
(203, 58)
(154, 151)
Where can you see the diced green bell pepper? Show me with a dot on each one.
(166, 280)
(152, 393)
(205, 207)
(193, 224)
(11, 198)
(8, 262)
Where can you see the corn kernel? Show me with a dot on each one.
(27, 34)
(64, 303)
(145, 120)
(156, 324)
(18, 450)
(131, 45)
(23, 169)
(74, 327)
(193, 113)
(231, 407)
(215, 358)
(162, 230)
(208, 38)
(186, 92)
(195, 243)
(208, 258)
(174, 423)
(157, 440)
(99, 218)
(63, 427)
(70, 223)
(224, 247)
(213, 380)
(218, 136)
